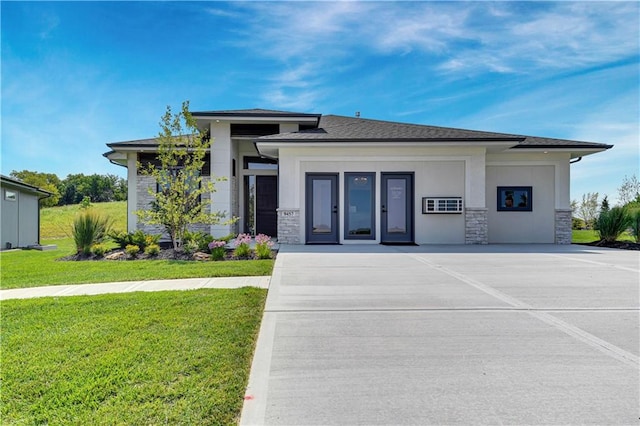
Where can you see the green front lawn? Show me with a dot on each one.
(32, 268)
(136, 358)
(583, 236)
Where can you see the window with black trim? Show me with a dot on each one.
(259, 163)
(10, 195)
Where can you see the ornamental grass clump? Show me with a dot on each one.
(217, 249)
(242, 246)
(612, 223)
(89, 228)
(263, 246)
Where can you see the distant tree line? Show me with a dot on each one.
(75, 187)
(587, 211)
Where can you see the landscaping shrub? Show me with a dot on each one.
(611, 223)
(263, 246)
(132, 250)
(152, 250)
(200, 240)
(217, 249)
(98, 249)
(138, 238)
(190, 247)
(89, 227)
(635, 226)
(577, 223)
(242, 248)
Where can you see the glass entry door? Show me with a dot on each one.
(322, 208)
(396, 208)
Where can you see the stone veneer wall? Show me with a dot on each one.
(563, 226)
(289, 226)
(144, 199)
(476, 230)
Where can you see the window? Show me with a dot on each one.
(514, 198)
(259, 163)
(441, 205)
(10, 195)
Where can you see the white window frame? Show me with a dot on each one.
(10, 195)
(442, 205)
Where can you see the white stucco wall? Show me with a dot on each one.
(221, 160)
(536, 226)
(437, 172)
(132, 191)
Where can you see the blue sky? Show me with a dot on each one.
(78, 75)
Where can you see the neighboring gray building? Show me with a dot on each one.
(19, 213)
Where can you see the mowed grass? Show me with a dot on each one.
(32, 268)
(137, 358)
(584, 236)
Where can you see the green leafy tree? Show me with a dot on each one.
(629, 190)
(99, 188)
(588, 208)
(47, 181)
(178, 202)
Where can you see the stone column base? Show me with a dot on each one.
(563, 226)
(289, 226)
(476, 229)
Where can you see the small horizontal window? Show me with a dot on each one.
(441, 205)
(10, 195)
(259, 163)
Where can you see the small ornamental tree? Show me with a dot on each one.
(178, 201)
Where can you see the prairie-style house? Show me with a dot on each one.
(328, 179)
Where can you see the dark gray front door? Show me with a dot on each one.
(267, 205)
(396, 208)
(322, 208)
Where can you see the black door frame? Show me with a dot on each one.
(408, 237)
(332, 237)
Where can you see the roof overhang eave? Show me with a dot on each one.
(41, 193)
(575, 151)
(257, 118)
(269, 145)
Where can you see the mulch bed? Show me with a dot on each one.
(164, 254)
(623, 245)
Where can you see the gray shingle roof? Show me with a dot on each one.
(151, 142)
(335, 128)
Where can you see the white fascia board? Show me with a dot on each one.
(126, 149)
(117, 155)
(391, 144)
(252, 119)
(575, 152)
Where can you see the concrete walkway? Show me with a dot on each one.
(130, 286)
(365, 335)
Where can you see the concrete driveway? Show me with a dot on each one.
(505, 334)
